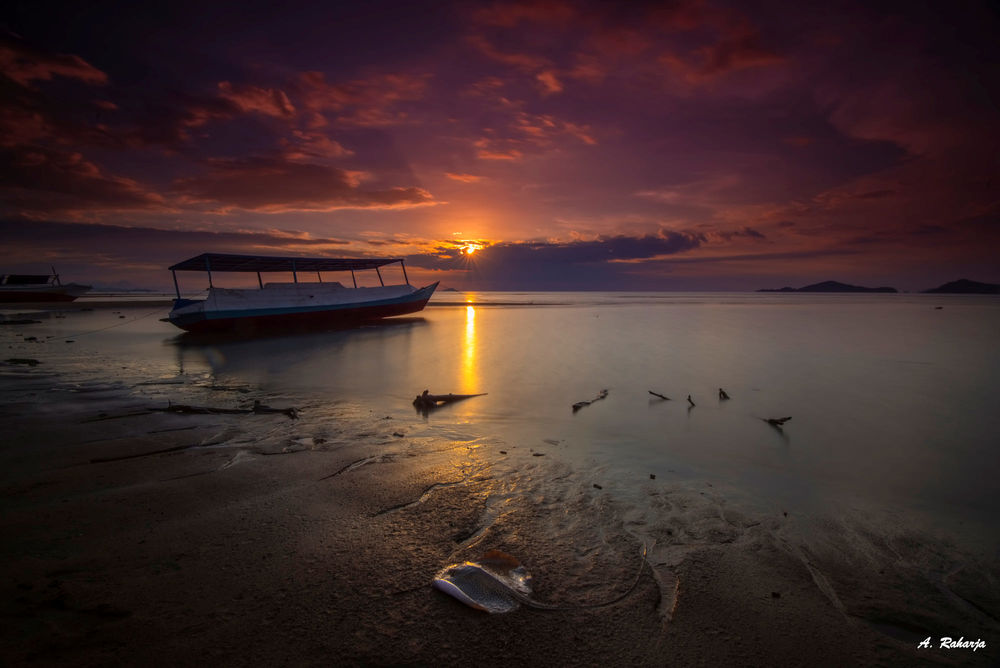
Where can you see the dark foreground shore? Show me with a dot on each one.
(272, 541)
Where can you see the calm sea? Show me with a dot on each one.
(893, 399)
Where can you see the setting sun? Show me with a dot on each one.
(471, 248)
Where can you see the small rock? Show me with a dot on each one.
(537, 454)
(652, 476)
(775, 594)
(596, 486)
(503, 452)
(397, 434)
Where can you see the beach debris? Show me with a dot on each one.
(499, 583)
(690, 401)
(652, 476)
(775, 594)
(537, 454)
(657, 394)
(722, 394)
(580, 404)
(596, 486)
(258, 409)
(398, 434)
(427, 401)
(27, 361)
(503, 452)
(776, 422)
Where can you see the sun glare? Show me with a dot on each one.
(471, 248)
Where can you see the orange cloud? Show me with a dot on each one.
(267, 101)
(549, 82)
(464, 178)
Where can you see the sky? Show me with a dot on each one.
(689, 145)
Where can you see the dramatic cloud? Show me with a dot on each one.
(371, 102)
(790, 143)
(276, 185)
(59, 182)
(25, 65)
(139, 256)
(554, 265)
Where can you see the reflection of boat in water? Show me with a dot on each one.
(38, 288)
(295, 305)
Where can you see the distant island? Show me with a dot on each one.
(964, 286)
(830, 286)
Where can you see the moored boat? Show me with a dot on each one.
(38, 288)
(295, 305)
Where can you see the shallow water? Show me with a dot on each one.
(893, 400)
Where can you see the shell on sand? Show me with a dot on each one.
(496, 584)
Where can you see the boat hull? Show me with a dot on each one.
(300, 318)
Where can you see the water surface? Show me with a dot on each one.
(892, 397)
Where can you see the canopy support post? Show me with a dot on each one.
(176, 287)
(379, 277)
(295, 276)
(403, 265)
(259, 281)
(353, 278)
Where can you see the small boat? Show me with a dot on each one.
(295, 305)
(38, 288)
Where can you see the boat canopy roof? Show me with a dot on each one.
(226, 262)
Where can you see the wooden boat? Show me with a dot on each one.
(296, 305)
(38, 288)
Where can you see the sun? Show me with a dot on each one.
(469, 249)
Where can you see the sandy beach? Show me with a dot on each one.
(319, 552)
(136, 536)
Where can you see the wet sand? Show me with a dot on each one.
(274, 541)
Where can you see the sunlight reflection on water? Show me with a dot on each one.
(891, 399)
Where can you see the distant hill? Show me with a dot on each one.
(830, 286)
(964, 286)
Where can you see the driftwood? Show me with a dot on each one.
(258, 409)
(657, 394)
(722, 394)
(776, 422)
(426, 401)
(580, 404)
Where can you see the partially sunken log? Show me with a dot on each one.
(580, 404)
(776, 422)
(426, 401)
(657, 394)
(258, 409)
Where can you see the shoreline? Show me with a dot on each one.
(273, 540)
(133, 535)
